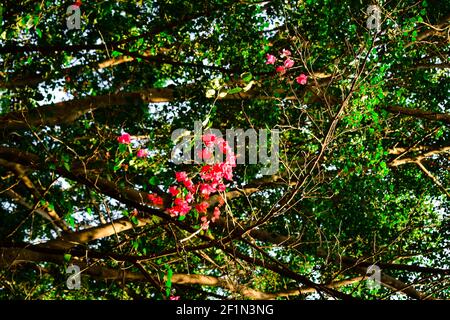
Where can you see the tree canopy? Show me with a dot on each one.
(87, 117)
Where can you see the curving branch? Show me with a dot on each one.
(398, 162)
(69, 111)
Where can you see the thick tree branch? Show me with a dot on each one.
(432, 177)
(417, 113)
(70, 240)
(420, 157)
(16, 256)
(69, 111)
(20, 171)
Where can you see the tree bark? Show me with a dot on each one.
(69, 111)
(418, 158)
(12, 257)
(429, 115)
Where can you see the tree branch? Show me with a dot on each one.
(417, 113)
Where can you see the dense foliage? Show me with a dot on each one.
(87, 177)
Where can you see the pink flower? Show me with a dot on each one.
(270, 59)
(231, 160)
(142, 153)
(205, 169)
(181, 176)
(173, 212)
(280, 69)
(205, 223)
(125, 138)
(180, 208)
(216, 214)
(288, 63)
(189, 185)
(302, 79)
(205, 154)
(205, 173)
(228, 173)
(181, 203)
(174, 191)
(206, 190)
(223, 145)
(217, 170)
(189, 197)
(202, 207)
(155, 199)
(209, 139)
(174, 298)
(285, 53)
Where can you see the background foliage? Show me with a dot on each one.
(364, 149)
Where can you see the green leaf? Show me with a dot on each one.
(67, 257)
(134, 220)
(122, 147)
(39, 32)
(67, 166)
(246, 76)
(156, 219)
(154, 181)
(118, 165)
(181, 218)
(71, 221)
(169, 281)
(235, 90)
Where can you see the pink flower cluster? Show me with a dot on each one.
(142, 153)
(125, 138)
(287, 64)
(155, 199)
(188, 195)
